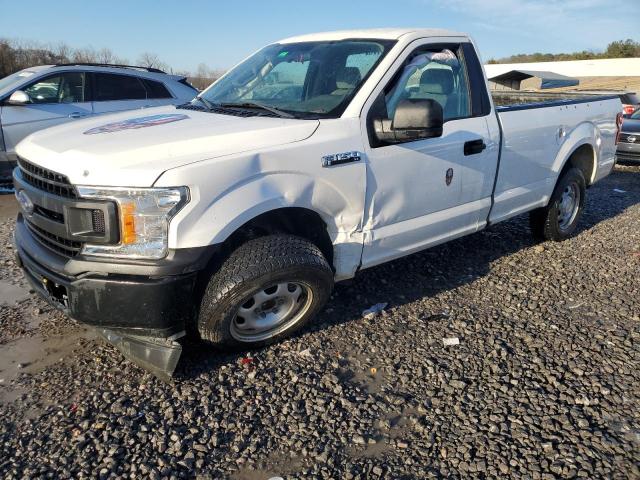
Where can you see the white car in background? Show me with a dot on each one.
(48, 95)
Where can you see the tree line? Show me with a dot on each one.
(16, 55)
(618, 49)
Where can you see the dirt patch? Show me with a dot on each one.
(8, 207)
(33, 354)
(276, 467)
(12, 294)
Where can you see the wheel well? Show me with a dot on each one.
(582, 158)
(292, 220)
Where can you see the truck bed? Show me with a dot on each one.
(536, 139)
(519, 99)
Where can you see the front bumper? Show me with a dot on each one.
(141, 311)
(628, 152)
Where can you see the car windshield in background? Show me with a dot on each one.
(306, 80)
(14, 78)
(630, 99)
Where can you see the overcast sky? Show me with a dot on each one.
(184, 33)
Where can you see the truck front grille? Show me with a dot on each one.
(55, 215)
(625, 138)
(59, 245)
(46, 180)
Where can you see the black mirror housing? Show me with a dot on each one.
(414, 119)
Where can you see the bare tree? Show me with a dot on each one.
(85, 55)
(105, 55)
(7, 59)
(204, 76)
(63, 52)
(151, 60)
(17, 54)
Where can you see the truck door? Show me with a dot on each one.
(55, 99)
(424, 192)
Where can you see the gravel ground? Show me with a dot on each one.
(544, 383)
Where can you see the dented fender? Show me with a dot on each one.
(228, 192)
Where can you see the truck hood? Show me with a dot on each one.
(134, 148)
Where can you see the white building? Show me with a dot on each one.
(609, 67)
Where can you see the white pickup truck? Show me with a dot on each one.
(232, 216)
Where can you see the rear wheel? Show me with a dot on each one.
(558, 220)
(267, 289)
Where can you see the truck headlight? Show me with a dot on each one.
(144, 215)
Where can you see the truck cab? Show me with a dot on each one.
(232, 216)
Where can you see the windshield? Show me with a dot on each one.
(306, 80)
(14, 78)
(630, 99)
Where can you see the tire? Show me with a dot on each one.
(557, 221)
(241, 295)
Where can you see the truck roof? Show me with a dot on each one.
(378, 33)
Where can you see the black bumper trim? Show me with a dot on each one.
(159, 356)
(132, 299)
(628, 157)
(158, 307)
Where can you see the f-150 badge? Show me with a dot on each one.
(134, 123)
(340, 158)
(449, 176)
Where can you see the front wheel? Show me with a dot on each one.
(558, 220)
(268, 288)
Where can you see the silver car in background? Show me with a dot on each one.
(47, 95)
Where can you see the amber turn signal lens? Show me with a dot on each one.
(128, 223)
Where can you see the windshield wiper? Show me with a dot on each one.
(206, 102)
(268, 108)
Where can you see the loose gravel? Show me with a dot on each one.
(543, 381)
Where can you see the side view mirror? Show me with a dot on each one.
(18, 98)
(413, 120)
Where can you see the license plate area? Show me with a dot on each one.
(56, 292)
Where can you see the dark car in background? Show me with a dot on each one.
(630, 102)
(628, 150)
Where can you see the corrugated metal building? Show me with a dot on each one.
(530, 80)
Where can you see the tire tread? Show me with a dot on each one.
(256, 258)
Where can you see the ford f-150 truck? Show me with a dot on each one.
(231, 217)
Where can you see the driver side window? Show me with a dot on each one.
(63, 88)
(433, 73)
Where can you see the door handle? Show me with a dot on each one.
(473, 147)
(77, 115)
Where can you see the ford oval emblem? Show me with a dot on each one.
(448, 177)
(25, 202)
(631, 139)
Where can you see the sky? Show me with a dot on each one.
(187, 32)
